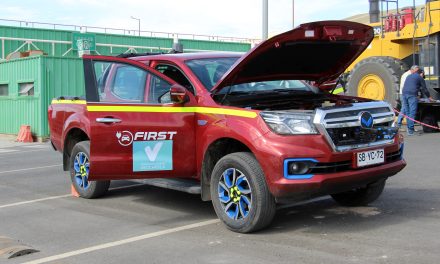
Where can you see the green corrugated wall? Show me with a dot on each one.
(18, 110)
(52, 77)
(63, 35)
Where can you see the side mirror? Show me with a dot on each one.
(178, 94)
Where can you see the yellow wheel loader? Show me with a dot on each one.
(403, 37)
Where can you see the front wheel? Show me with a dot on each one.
(79, 173)
(240, 195)
(360, 196)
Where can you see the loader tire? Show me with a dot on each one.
(377, 78)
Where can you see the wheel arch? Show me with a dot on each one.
(73, 136)
(214, 152)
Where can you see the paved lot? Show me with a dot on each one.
(142, 224)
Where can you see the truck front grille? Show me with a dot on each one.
(346, 136)
(343, 129)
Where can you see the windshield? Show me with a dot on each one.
(270, 86)
(210, 70)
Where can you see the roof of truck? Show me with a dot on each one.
(189, 56)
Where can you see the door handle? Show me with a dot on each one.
(107, 120)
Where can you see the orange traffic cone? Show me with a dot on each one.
(25, 135)
(73, 191)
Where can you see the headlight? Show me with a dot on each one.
(289, 123)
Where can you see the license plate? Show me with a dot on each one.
(370, 157)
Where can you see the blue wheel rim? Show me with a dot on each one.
(235, 194)
(81, 167)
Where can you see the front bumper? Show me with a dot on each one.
(323, 184)
(273, 150)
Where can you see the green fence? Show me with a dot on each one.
(59, 42)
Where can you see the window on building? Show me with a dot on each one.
(4, 89)
(26, 89)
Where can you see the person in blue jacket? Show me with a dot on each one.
(413, 69)
(414, 84)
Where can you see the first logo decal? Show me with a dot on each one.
(151, 151)
(125, 138)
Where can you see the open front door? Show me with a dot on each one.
(136, 132)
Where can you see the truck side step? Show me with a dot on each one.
(183, 185)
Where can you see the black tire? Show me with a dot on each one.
(92, 189)
(398, 66)
(388, 69)
(431, 120)
(361, 196)
(263, 207)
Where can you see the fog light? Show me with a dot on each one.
(299, 168)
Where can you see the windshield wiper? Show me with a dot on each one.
(241, 92)
(274, 91)
(271, 92)
(289, 90)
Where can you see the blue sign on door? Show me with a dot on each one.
(153, 155)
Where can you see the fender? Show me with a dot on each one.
(238, 128)
(228, 127)
(233, 128)
(75, 120)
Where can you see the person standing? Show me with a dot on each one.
(413, 69)
(414, 84)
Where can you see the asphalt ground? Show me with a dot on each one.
(142, 224)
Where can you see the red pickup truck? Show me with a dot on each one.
(242, 130)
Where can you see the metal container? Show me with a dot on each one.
(51, 77)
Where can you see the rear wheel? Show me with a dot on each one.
(240, 195)
(79, 173)
(376, 78)
(360, 196)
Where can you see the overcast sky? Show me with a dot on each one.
(235, 18)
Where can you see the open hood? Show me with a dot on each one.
(317, 51)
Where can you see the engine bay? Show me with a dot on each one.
(282, 101)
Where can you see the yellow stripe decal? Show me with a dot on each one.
(165, 109)
(159, 109)
(338, 91)
(68, 101)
